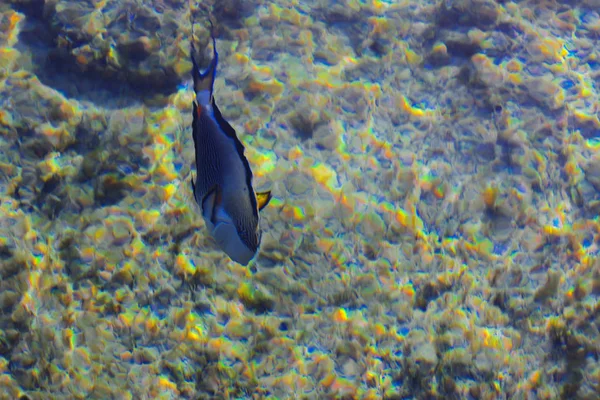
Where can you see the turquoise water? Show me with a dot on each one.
(433, 231)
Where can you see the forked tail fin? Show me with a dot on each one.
(203, 81)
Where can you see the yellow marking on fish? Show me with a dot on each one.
(263, 199)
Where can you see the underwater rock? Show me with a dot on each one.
(438, 56)
(592, 174)
(110, 189)
(339, 11)
(327, 137)
(297, 183)
(424, 357)
(234, 11)
(429, 292)
(354, 102)
(458, 44)
(256, 298)
(306, 121)
(145, 355)
(8, 299)
(587, 125)
(30, 7)
(126, 40)
(549, 288)
(478, 13)
(546, 93)
(486, 73)
(587, 192)
(136, 49)
(350, 18)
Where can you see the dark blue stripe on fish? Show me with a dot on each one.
(229, 131)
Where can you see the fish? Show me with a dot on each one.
(223, 186)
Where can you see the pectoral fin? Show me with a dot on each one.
(209, 205)
(263, 199)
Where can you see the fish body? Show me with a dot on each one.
(223, 185)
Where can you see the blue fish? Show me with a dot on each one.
(223, 186)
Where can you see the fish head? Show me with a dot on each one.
(238, 248)
(237, 233)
